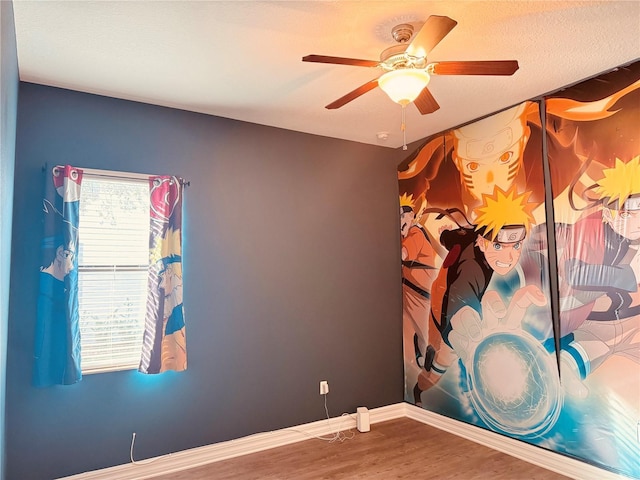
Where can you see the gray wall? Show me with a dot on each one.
(291, 274)
(8, 107)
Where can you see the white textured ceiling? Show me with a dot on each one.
(242, 59)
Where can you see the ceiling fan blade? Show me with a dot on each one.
(425, 102)
(361, 90)
(480, 67)
(433, 30)
(340, 60)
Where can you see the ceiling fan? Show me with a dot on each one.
(407, 71)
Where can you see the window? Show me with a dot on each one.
(113, 259)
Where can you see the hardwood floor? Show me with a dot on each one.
(401, 448)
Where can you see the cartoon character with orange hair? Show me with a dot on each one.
(418, 271)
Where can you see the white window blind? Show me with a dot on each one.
(113, 257)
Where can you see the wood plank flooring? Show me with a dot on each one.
(396, 449)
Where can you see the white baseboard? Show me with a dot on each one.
(195, 457)
(542, 457)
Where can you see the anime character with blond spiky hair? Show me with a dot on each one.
(164, 340)
(599, 272)
(173, 356)
(418, 271)
(493, 245)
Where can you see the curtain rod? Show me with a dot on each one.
(114, 173)
(117, 174)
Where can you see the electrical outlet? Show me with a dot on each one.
(324, 387)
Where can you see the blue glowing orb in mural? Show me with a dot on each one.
(514, 384)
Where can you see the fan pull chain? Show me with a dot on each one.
(404, 129)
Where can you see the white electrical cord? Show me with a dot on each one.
(338, 436)
(404, 128)
(139, 462)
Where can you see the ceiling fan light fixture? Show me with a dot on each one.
(404, 85)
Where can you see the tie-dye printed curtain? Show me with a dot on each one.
(164, 346)
(57, 336)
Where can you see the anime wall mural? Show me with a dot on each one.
(486, 338)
